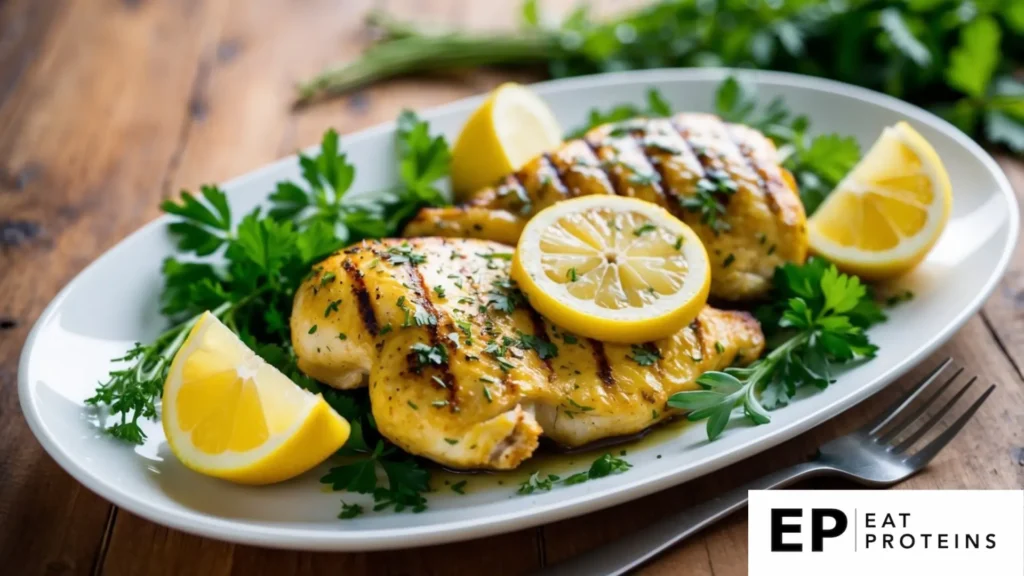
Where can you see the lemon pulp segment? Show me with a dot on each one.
(229, 414)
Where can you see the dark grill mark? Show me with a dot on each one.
(604, 369)
(362, 295)
(513, 184)
(767, 182)
(559, 178)
(659, 188)
(698, 332)
(707, 163)
(675, 201)
(671, 196)
(419, 286)
(614, 179)
(595, 148)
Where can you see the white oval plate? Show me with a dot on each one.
(114, 303)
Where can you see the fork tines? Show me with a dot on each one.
(903, 414)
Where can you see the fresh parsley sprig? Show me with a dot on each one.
(246, 272)
(406, 480)
(819, 318)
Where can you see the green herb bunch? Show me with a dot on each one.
(246, 272)
(955, 57)
(816, 322)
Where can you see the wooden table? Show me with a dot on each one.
(109, 106)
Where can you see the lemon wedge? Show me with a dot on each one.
(889, 211)
(229, 414)
(612, 268)
(509, 129)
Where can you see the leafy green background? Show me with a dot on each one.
(957, 58)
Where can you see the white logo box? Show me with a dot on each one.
(933, 532)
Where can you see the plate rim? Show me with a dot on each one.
(296, 536)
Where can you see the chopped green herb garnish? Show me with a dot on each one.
(644, 354)
(645, 228)
(645, 179)
(899, 298)
(536, 482)
(404, 254)
(332, 307)
(349, 511)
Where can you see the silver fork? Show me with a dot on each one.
(870, 456)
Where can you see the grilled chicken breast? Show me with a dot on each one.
(462, 371)
(724, 180)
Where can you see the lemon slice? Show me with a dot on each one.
(509, 129)
(612, 268)
(888, 212)
(229, 414)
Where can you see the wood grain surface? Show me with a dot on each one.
(108, 106)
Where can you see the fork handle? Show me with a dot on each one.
(633, 550)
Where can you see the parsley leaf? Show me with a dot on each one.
(656, 106)
(974, 60)
(903, 38)
(819, 316)
(604, 465)
(349, 511)
(425, 159)
(644, 354)
(536, 482)
(425, 355)
(407, 480)
(205, 224)
(544, 348)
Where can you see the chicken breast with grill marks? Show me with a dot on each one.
(462, 371)
(724, 180)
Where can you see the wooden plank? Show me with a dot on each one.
(1004, 312)
(241, 118)
(138, 99)
(985, 454)
(90, 114)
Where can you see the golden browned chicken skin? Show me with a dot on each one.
(462, 371)
(724, 180)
